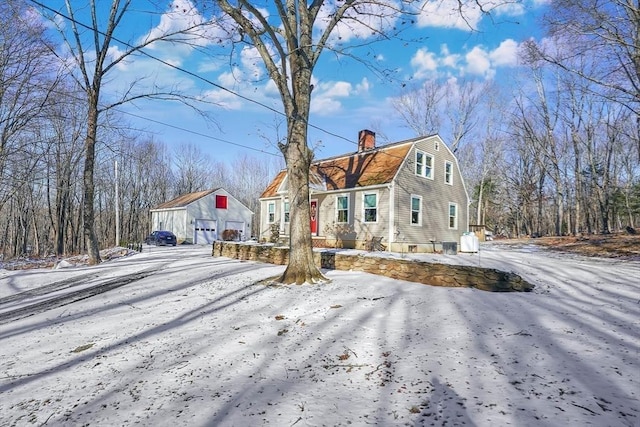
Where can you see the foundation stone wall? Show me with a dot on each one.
(428, 273)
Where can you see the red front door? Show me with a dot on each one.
(314, 217)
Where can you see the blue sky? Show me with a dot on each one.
(347, 96)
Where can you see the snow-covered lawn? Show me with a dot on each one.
(197, 341)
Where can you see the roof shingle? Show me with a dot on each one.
(184, 200)
(361, 169)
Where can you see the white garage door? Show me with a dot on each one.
(205, 232)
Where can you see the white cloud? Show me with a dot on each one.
(252, 62)
(230, 78)
(449, 59)
(506, 54)
(363, 87)
(449, 14)
(425, 63)
(182, 15)
(224, 98)
(337, 89)
(509, 9)
(325, 106)
(363, 22)
(210, 65)
(478, 61)
(328, 96)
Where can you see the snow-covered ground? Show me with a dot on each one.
(175, 337)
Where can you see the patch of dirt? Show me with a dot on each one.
(615, 245)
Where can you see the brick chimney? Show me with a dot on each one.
(366, 140)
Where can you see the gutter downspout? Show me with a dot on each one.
(392, 215)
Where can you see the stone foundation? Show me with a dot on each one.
(457, 276)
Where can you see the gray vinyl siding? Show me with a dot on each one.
(380, 228)
(326, 213)
(265, 225)
(356, 228)
(436, 196)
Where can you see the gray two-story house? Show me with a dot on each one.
(407, 196)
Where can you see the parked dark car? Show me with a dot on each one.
(161, 238)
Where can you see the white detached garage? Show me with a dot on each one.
(201, 217)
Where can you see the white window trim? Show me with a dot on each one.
(448, 163)
(338, 210)
(419, 223)
(424, 156)
(455, 227)
(269, 220)
(364, 220)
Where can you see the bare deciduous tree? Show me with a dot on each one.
(193, 169)
(420, 108)
(90, 46)
(608, 33)
(290, 43)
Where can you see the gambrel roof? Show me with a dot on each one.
(370, 167)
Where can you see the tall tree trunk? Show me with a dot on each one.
(89, 186)
(301, 267)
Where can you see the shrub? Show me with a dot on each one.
(230, 235)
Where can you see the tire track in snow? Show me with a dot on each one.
(70, 297)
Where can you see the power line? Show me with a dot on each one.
(183, 70)
(197, 133)
(196, 76)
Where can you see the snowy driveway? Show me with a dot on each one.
(194, 341)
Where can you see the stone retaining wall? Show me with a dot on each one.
(487, 279)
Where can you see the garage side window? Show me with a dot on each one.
(221, 202)
(271, 212)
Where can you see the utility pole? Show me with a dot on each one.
(117, 209)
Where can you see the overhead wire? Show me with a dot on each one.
(205, 80)
(198, 133)
(185, 71)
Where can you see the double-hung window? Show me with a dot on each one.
(424, 164)
(448, 172)
(416, 210)
(453, 216)
(271, 212)
(370, 207)
(285, 210)
(342, 206)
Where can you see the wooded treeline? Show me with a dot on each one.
(43, 119)
(558, 151)
(559, 154)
